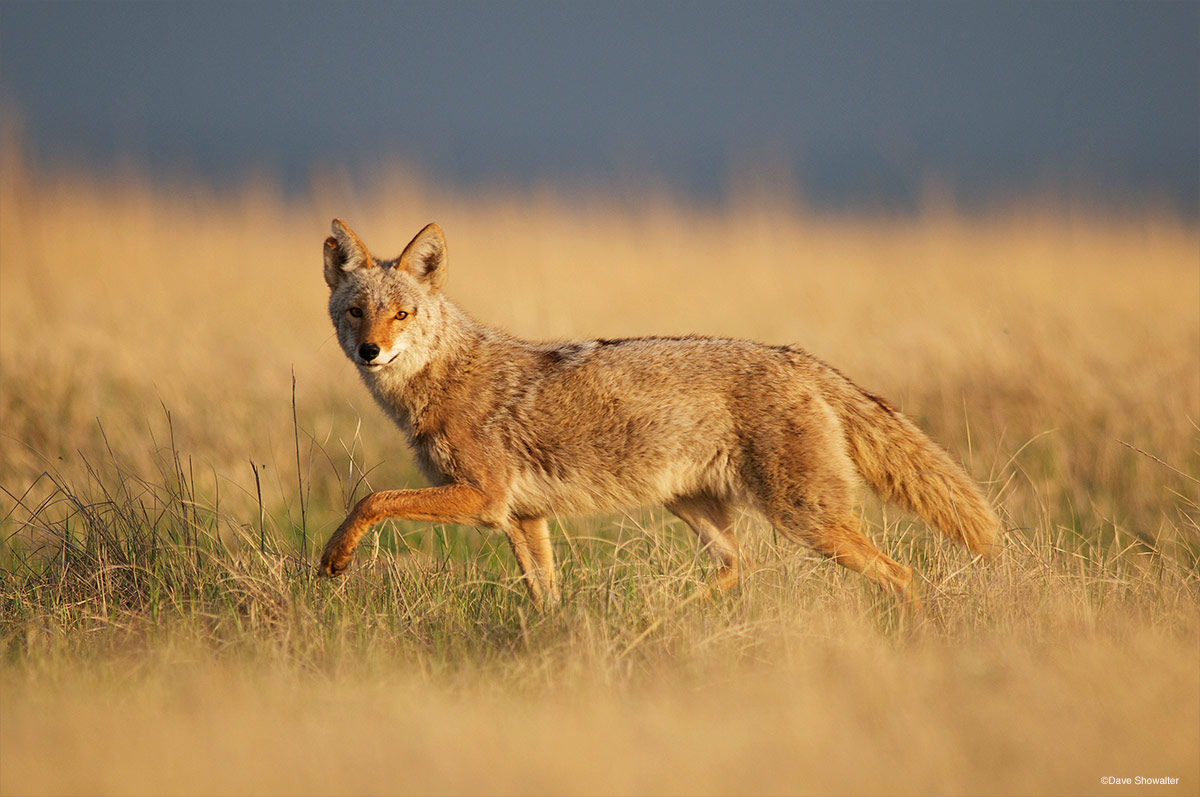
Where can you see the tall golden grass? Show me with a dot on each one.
(179, 431)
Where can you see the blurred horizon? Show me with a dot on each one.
(841, 106)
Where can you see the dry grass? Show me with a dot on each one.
(161, 631)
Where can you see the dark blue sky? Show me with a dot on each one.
(859, 102)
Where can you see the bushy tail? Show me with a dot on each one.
(904, 466)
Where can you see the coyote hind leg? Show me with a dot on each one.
(804, 482)
(709, 518)
(845, 543)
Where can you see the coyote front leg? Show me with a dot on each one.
(530, 541)
(458, 504)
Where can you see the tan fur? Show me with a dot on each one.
(511, 432)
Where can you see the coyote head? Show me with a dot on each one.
(385, 311)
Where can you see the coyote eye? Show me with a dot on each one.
(356, 312)
(400, 316)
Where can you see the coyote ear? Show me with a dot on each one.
(344, 252)
(425, 257)
(333, 262)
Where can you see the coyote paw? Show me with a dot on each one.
(333, 563)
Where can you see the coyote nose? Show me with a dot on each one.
(368, 351)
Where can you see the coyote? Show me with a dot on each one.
(511, 432)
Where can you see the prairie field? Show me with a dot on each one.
(179, 433)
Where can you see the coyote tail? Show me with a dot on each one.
(904, 466)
